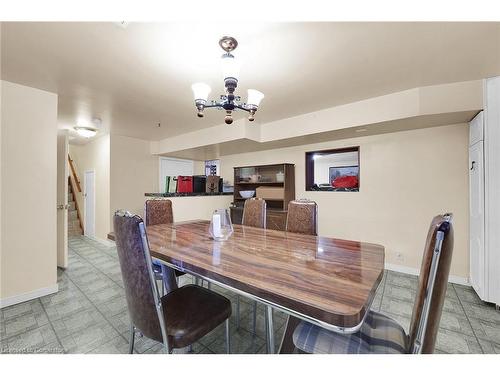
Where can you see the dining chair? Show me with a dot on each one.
(180, 317)
(380, 333)
(254, 215)
(302, 217)
(159, 211)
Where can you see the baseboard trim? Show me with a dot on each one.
(414, 271)
(14, 300)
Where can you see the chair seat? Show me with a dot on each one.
(191, 312)
(379, 334)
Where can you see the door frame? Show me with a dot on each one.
(85, 201)
(62, 198)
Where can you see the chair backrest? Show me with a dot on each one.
(302, 217)
(254, 213)
(158, 211)
(141, 290)
(432, 284)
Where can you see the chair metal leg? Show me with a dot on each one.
(209, 285)
(131, 340)
(228, 338)
(238, 311)
(269, 330)
(254, 324)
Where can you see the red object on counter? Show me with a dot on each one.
(185, 184)
(346, 182)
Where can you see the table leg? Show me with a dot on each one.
(269, 330)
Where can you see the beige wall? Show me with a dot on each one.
(193, 208)
(125, 170)
(134, 171)
(28, 191)
(95, 155)
(405, 179)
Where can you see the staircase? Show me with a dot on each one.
(74, 227)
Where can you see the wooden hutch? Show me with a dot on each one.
(274, 182)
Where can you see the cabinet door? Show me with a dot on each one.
(476, 201)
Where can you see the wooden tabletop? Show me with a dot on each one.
(331, 280)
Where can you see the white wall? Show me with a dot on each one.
(28, 193)
(405, 179)
(95, 156)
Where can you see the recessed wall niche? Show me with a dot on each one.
(333, 170)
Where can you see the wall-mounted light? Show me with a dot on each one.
(85, 131)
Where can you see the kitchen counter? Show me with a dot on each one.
(170, 195)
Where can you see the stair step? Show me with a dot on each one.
(74, 225)
(72, 215)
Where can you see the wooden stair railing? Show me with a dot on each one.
(73, 173)
(75, 186)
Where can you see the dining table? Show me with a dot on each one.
(327, 281)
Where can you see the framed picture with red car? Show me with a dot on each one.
(333, 170)
(344, 178)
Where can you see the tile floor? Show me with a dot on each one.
(89, 314)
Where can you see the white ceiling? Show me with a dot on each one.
(136, 77)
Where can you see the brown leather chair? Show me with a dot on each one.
(302, 217)
(380, 333)
(179, 318)
(254, 213)
(159, 211)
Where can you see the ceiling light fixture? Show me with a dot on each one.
(229, 101)
(86, 132)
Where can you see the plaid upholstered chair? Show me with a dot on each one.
(179, 318)
(381, 334)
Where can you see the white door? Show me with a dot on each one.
(89, 202)
(476, 201)
(62, 199)
(174, 167)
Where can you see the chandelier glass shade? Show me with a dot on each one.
(229, 101)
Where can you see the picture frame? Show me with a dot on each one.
(336, 172)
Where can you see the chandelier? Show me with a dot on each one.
(228, 102)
